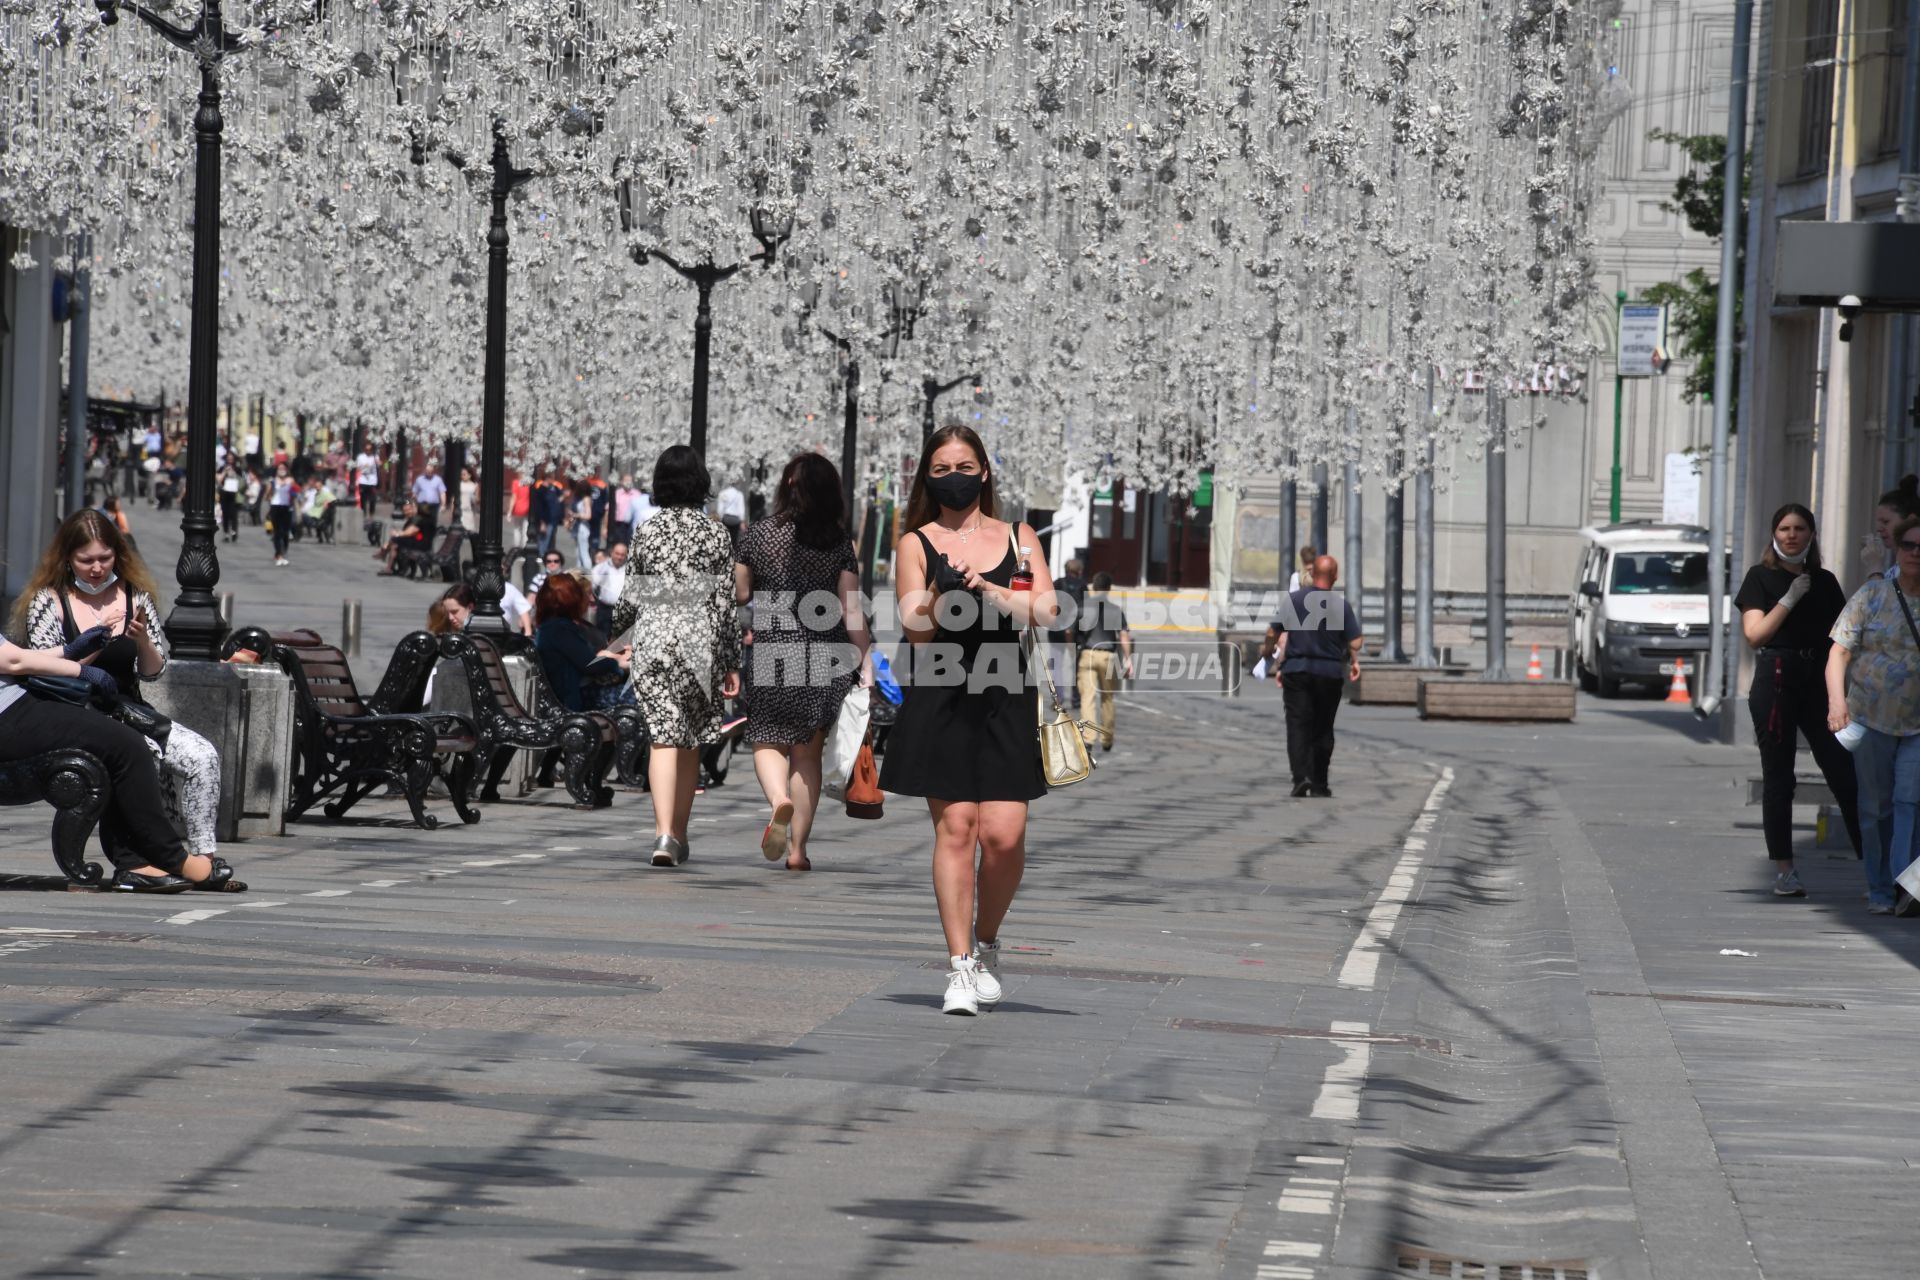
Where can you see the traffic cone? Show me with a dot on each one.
(1533, 665)
(1677, 691)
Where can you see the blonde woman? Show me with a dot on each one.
(91, 578)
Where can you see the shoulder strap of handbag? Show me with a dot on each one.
(1906, 609)
(1028, 633)
(66, 613)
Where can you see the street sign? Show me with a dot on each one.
(1203, 494)
(1643, 334)
(1680, 494)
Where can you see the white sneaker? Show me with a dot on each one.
(986, 979)
(961, 995)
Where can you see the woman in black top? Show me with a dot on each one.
(967, 737)
(1788, 605)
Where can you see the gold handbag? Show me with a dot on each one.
(1064, 758)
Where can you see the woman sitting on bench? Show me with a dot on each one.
(89, 578)
(408, 537)
(147, 852)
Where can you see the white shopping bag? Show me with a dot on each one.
(1910, 879)
(843, 742)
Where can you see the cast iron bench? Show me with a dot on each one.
(586, 740)
(347, 743)
(418, 562)
(76, 784)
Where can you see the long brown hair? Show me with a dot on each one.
(1771, 558)
(809, 499)
(921, 508)
(56, 563)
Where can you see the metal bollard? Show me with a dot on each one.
(226, 608)
(350, 627)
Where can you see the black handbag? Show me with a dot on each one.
(71, 690)
(75, 692)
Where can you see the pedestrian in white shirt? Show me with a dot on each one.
(609, 579)
(366, 478)
(429, 492)
(731, 506)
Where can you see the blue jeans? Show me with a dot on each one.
(1889, 771)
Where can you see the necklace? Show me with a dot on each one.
(961, 535)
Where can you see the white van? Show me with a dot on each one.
(1639, 605)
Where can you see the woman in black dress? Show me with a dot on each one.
(1788, 605)
(809, 645)
(967, 735)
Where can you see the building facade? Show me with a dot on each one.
(1827, 420)
(1675, 56)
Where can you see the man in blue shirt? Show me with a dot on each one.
(1317, 649)
(429, 491)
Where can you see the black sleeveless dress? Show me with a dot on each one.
(969, 727)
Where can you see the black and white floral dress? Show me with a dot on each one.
(189, 764)
(679, 602)
(804, 661)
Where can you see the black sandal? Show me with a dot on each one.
(219, 880)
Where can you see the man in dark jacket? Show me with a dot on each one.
(1317, 651)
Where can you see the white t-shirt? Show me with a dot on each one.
(643, 509)
(608, 582)
(513, 605)
(367, 469)
(731, 504)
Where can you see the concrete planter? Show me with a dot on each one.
(1534, 700)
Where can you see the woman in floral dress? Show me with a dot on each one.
(686, 650)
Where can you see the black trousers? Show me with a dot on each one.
(1311, 703)
(137, 812)
(229, 512)
(1789, 701)
(282, 518)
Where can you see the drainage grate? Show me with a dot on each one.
(1076, 971)
(1418, 1262)
(1309, 1033)
(1765, 1003)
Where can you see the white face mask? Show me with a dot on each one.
(92, 590)
(1784, 558)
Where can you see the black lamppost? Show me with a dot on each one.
(705, 275)
(195, 628)
(489, 579)
(933, 389)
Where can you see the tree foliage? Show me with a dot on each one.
(1693, 301)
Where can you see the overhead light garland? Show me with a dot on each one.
(1169, 235)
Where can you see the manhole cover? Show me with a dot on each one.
(1418, 1262)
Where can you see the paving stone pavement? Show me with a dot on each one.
(1473, 1008)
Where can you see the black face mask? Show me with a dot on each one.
(956, 491)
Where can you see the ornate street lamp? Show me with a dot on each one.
(705, 275)
(489, 579)
(932, 388)
(194, 628)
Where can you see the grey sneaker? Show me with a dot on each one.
(1787, 885)
(986, 972)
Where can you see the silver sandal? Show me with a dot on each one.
(668, 852)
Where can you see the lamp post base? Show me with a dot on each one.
(195, 629)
